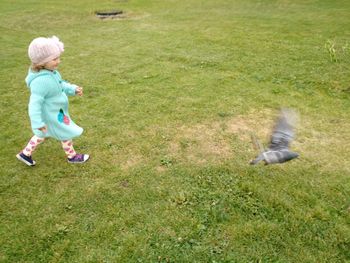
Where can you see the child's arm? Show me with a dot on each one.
(69, 89)
(37, 97)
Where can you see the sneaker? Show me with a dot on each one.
(79, 158)
(26, 159)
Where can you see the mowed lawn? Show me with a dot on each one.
(174, 90)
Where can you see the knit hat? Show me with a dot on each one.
(42, 50)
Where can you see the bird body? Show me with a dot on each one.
(282, 135)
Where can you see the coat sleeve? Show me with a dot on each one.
(68, 88)
(38, 92)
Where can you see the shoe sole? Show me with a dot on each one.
(25, 161)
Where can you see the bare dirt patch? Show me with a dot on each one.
(208, 142)
(212, 142)
(132, 160)
(120, 15)
(318, 140)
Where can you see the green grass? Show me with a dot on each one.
(172, 92)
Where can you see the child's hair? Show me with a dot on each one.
(36, 67)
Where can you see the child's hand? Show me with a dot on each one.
(43, 129)
(79, 91)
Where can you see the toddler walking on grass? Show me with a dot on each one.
(48, 103)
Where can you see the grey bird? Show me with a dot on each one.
(282, 135)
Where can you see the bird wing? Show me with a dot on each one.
(283, 132)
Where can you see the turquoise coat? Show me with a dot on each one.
(48, 105)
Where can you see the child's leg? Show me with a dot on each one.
(68, 148)
(72, 156)
(26, 155)
(32, 144)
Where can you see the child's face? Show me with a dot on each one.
(53, 64)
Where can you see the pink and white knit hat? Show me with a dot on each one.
(42, 50)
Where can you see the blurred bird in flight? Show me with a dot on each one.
(282, 135)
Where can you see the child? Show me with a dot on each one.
(48, 104)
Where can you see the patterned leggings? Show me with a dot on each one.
(35, 141)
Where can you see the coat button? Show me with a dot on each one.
(60, 81)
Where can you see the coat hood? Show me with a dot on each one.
(33, 75)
